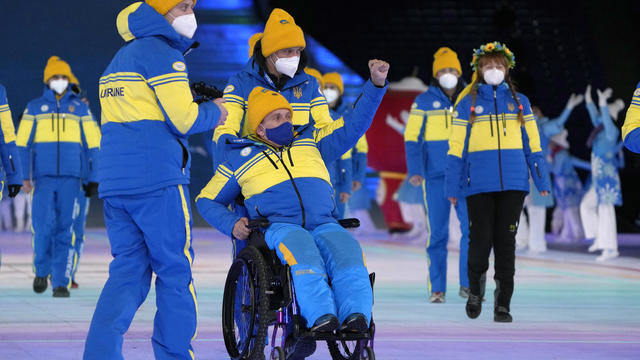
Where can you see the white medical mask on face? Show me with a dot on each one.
(493, 77)
(185, 25)
(448, 81)
(331, 95)
(288, 66)
(59, 85)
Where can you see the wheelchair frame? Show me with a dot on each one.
(275, 290)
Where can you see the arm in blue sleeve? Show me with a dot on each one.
(538, 166)
(610, 129)
(12, 163)
(580, 164)
(359, 166)
(341, 135)
(213, 201)
(555, 126)
(632, 141)
(345, 172)
(593, 113)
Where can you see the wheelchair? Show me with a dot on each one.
(259, 295)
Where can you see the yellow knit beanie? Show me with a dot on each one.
(316, 74)
(335, 79)
(445, 58)
(261, 103)
(163, 6)
(281, 32)
(252, 42)
(57, 66)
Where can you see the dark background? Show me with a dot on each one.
(560, 47)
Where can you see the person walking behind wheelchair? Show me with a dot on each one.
(281, 173)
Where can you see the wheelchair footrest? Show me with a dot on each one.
(336, 336)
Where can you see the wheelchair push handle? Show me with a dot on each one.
(259, 223)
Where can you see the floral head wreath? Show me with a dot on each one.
(493, 47)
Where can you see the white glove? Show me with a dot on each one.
(603, 96)
(587, 95)
(574, 100)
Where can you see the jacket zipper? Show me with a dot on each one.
(537, 170)
(495, 103)
(13, 167)
(295, 187)
(58, 133)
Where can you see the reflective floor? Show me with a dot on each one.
(565, 306)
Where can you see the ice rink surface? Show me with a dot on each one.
(565, 306)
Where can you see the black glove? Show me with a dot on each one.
(14, 190)
(90, 189)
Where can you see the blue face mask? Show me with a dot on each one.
(281, 135)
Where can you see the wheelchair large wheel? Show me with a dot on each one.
(245, 306)
(344, 350)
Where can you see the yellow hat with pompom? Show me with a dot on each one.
(445, 58)
(57, 66)
(335, 79)
(261, 103)
(163, 6)
(281, 32)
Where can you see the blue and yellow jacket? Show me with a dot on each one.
(631, 127)
(8, 149)
(147, 107)
(493, 153)
(426, 136)
(58, 137)
(341, 170)
(289, 185)
(302, 92)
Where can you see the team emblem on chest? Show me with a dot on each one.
(511, 107)
(72, 108)
(44, 108)
(297, 92)
(436, 104)
(479, 109)
(246, 151)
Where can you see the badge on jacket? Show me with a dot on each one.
(479, 109)
(436, 104)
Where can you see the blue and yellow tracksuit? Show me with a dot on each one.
(291, 188)
(302, 92)
(340, 171)
(58, 139)
(81, 210)
(360, 199)
(9, 155)
(631, 127)
(495, 152)
(426, 143)
(147, 114)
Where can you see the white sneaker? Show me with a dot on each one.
(593, 247)
(608, 254)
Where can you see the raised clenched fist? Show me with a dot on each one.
(379, 70)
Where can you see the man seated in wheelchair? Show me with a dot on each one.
(280, 170)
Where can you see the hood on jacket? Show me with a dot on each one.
(140, 20)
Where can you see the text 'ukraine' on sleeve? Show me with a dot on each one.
(167, 75)
(343, 134)
(215, 197)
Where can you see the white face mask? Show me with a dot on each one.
(331, 95)
(493, 77)
(185, 25)
(448, 81)
(59, 86)
(288, 66)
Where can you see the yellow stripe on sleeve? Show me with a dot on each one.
(328, 129)
(458, 137)
(632, 121)
(91, 132)
(414, 124)
(24, 130)
(177, 101)
(321, 115)
(8, 130)
(362, 146)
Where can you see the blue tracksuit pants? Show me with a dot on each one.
(149, 233)
(438, 206)
(52, 216)
(327, 252)
(81, 212)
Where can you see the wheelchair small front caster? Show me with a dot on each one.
(368, 354)
(277, 353)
